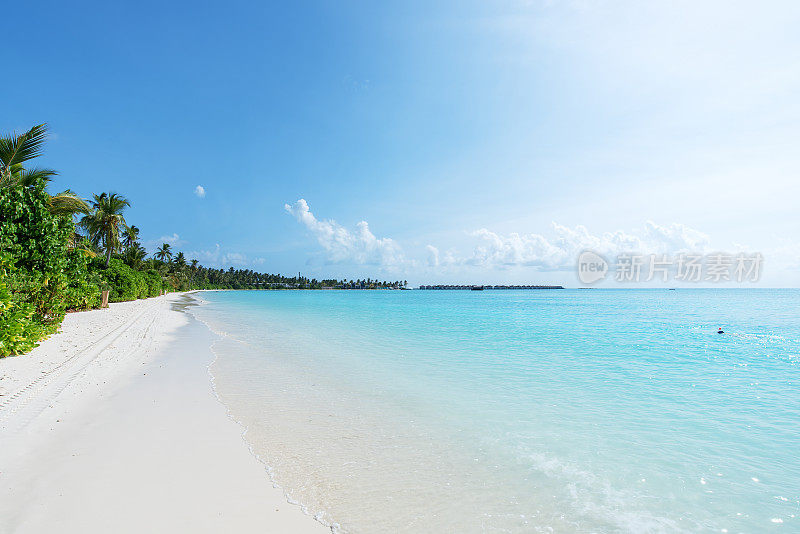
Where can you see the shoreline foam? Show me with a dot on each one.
(318, 516)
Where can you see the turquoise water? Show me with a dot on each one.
(521, 411)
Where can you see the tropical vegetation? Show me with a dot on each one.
(58, 253)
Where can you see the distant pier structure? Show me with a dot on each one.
(474, 287)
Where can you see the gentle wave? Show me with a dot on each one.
(518, 412)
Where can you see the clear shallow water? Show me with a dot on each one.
(521, 411)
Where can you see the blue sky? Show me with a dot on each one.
(478, 141)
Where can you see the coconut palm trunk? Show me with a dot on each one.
(109, 249)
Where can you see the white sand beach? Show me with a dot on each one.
(112, 425)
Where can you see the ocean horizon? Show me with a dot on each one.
(323, 267)
(519, 411)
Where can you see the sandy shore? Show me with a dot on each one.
(111, 425)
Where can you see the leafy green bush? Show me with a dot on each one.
(83, 286)
(34, 242)
(122, 282)
(18, 332)
(154, 284)
(141, 285)
(42, 272)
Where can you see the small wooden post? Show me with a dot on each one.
(104, 302)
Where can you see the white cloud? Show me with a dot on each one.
(200, 191)
(173, 239)
(559, 251)
(341, 245)
(234, 258)
(433, 256)
(216, 257)
(556, 250)
(785, 256)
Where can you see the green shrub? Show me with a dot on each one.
(34, 243)
(154, 284)
(18, 331)
(141, 285)
(83, 285)
(121, 281)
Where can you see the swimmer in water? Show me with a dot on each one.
(720, 331)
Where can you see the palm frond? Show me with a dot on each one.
(15, 149)
(68, 203)
(28, 177)
(85, 247)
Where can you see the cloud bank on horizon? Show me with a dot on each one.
(556, 252)
(217, 257)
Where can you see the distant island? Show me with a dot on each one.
(481, 287)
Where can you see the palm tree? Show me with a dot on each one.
(180, 261)
(164, 253)
(131, 236)
(135, 255)
(105, 223)
(194, 271)
(17, 149)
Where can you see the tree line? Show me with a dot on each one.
(59, 252)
